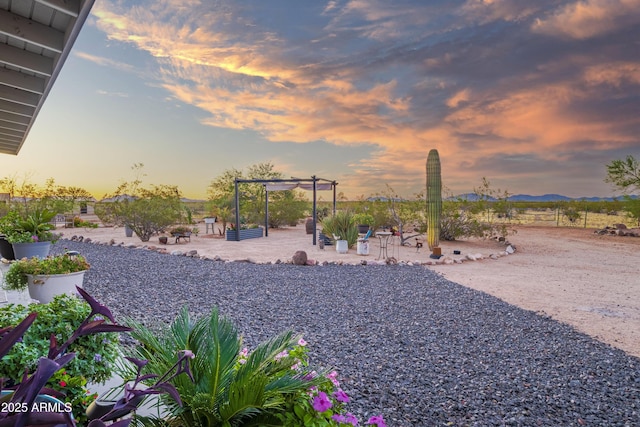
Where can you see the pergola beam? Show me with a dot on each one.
(68, 7)
(22, 81)
(13, 108)
(19, 96)
(29, 31)
(26, 60)
(4, 124)
(11, 117)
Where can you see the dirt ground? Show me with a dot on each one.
(571, 274)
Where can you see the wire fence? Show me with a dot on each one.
(556, 218)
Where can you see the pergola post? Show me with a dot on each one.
(237, 211)
(315, 213)
(334, 196)
(266, 211)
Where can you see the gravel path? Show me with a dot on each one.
(406, 342)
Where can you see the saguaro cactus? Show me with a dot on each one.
(434, 201)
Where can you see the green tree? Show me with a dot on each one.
(632, 208)
(27, 197)
(624, 174)
(147, 211)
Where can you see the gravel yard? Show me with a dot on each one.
(406, 342)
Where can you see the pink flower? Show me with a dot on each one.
(311, 375)
(377, 420)
(282, 355)
(244, 352)
(341, 396)
(332, 376)
(321, 402)
(351, 419)
(339, 418)
(302, 342)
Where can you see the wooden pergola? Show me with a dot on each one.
(314, 184)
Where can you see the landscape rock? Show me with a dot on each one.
(299, 258)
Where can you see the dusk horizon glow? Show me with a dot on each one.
(536, 97)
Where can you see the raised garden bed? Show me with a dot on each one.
(249, 233)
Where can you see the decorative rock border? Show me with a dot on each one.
(618, 230)
(298, 256)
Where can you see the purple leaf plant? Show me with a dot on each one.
(24, 394)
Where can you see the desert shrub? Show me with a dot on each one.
(632, 209)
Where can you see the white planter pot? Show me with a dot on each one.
(363, 247)
(45, 287)
(342, 246)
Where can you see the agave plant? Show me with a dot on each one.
(341, 225)
(228, 389)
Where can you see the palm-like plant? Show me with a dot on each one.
(224, 392)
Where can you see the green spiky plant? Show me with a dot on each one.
(434, 201)
(341, 224)
(225, 391)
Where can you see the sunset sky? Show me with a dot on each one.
(536, 96)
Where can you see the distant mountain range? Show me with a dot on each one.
(544, 198)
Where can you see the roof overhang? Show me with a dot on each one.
(36, 37)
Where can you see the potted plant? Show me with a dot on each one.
(31, 236)
(364, 221)
(95, 355)
(341, 227)
(7, 223)
(47, 277)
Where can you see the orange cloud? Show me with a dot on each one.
(591, 18)
(245, 80)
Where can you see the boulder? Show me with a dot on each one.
(299, 258)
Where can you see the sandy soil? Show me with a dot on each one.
(571, 274)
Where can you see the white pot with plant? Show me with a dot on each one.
(47, 277)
